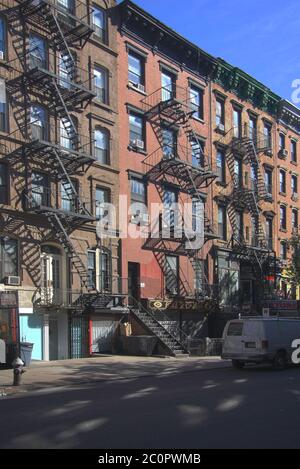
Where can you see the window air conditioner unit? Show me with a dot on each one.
(145, 218)
(1, 55)
(138, 144)
(221, 127)
(12, 280)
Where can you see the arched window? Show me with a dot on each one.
(38, 122)
(102, 146)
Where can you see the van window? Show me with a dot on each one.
(235, 328)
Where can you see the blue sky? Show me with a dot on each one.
(262, 37)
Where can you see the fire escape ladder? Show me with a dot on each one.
(66, 118)
(69, 187)
(63, 237)
(59, 40)
(173, 339)
(254, 162)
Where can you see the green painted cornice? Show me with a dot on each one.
(245, 87)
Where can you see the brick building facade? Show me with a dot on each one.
(101, 101)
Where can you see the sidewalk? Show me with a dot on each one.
(101, 368)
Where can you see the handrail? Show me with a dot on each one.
(139, 306)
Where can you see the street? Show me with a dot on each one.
(220, 408)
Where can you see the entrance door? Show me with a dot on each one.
(134, 281)
(51, 274)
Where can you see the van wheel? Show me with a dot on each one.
(238, 364)
(279, 362)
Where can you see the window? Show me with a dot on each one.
(238, 172)
(37, 52)
(136, 131)
(4, 185)
(240, 225)
(91, 261)
(40, 189)
(101, 84)
(99, 21)
(196, 97)
(171, 275)
(136, 69)
(269, 232)
(138, 191)
(168, 86)
(283, 250)
(169, 199)
(69, 198)
(3, 107)
(220, 112)
(65, 9)
(282, 181)
(268, 136)
(295, 219)
(293, 151)
(197, 216)
(2, 38)
(268, 181)
(197, 153)
(294, 181)
(253, 129)
(221, 170)
(222, 229)
(283, 217)
(102, 146)
(102, 196)
(8, 257)
(68, 137)
(104, 270)
(237, 123)
(38, 123)
(169, 139)
(66, 71)
(281, 141)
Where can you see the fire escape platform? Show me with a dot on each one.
(73, 94)
(181, 171)
(69, 216)
(75, 29)
(71, 159)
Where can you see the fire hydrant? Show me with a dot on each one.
(18, 370)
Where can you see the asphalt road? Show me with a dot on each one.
(252, 408)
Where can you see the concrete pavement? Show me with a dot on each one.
(71, 372)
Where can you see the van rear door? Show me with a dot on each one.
(253, 335)
(233, 336)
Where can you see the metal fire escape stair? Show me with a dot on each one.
(63, 162)
(245, 198)
(169, 340)
(63, 237)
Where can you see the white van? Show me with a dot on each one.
(259, 340)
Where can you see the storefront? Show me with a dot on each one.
(9, 323)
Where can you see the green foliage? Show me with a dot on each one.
(293, 270)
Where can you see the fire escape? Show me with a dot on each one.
(54, 80)
(244, 148)
(187, 170)
(173, 164)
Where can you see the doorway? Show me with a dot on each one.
(134, 289)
